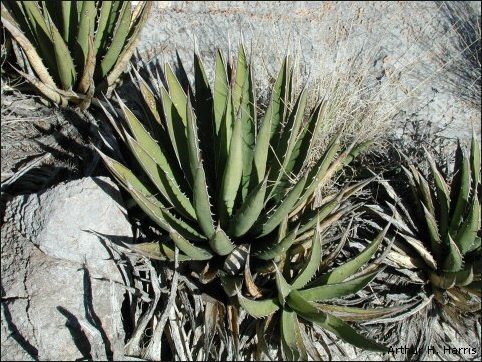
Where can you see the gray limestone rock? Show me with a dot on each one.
(61, 291)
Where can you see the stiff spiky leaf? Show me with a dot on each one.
(447, 238)
(74, 49)
(295, 300)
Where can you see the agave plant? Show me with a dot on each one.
(71, 49)
(300, 298)
(439, 224)
(218, 180)
(224, 187)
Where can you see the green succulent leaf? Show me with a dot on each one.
(149, 144)
(261, 148)
(232, 172)
(291, 336)
(424, 192)
(258, 308)
(194, 151)
(85, 30)
(118, 40)
(475, 159)
(285, 147)
(241, 78)
(66, 8)
(168, 188)
(283, 209)
(336, 290)
(274, 250)
(331, 323)
(204, 115)
(225, 134)
(145, 199)
(464, 277)
(154, 106)
(40, 31)
(432, 229)
(305, 141)
(220, 243)
(279, 99)
(284, 289)
(221, 91)
(443, 196)
(201, 203)
(463, 190)
(453, 261)
(183, 79)
(105, 11)
(177, 134)
(342, 272)
(467, 233)
(248, 213)
(192, 251)
(157, 250)
(177, 93)
(310, 268)
(248, 120)
(475, 246)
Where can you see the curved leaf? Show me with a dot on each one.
(311, 266)
(168, 188)
(463, 194)
(284, 289)
(475, 159)
(248, 213)
(201, 203)
(118, 40)
(151, 206)
(258, 308)
(220, 94)
(342, 272)
(421, 250)
(220, 243)
(194, 252)
(233, 172)
(336, 290)
(157, 250)
(453, 261)
(283, 209)
(331, 324)
(291, 337)
(464, 277)
(443, 196)
(274, 250)
(468, 231)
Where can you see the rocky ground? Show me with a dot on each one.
(407, 49)
(60, 277)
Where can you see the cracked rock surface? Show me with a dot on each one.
(405, 40)
(61, 291)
